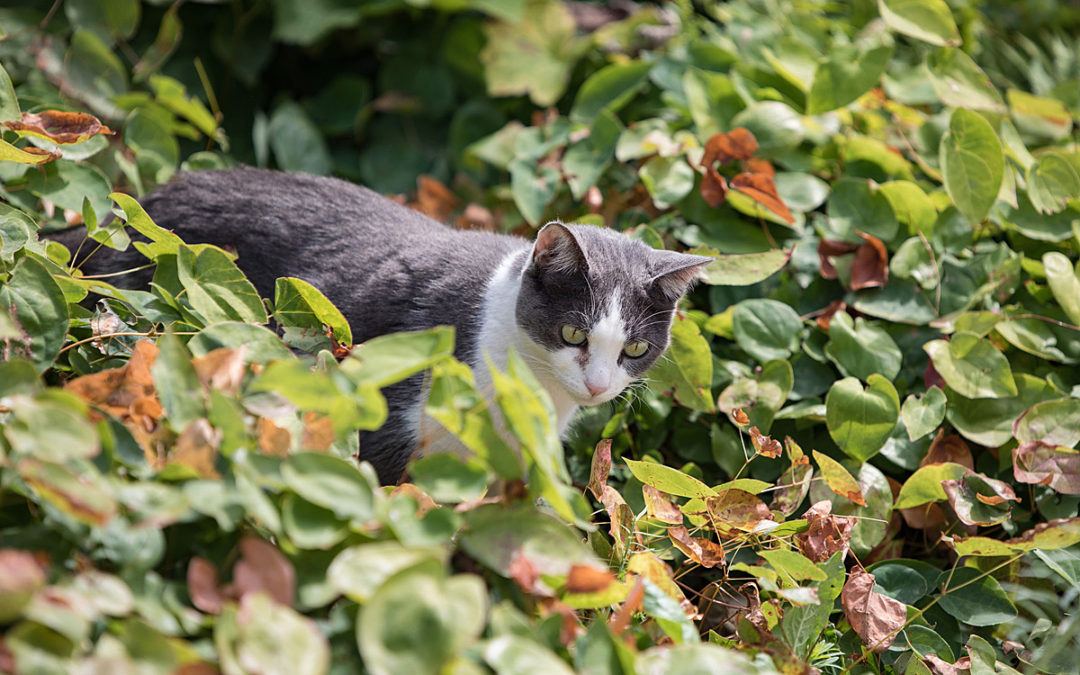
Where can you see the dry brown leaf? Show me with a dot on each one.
(832, 248)
(523, 572)
(870, 269)
(476, 217)
(601, 467)
(939, 666)
(951, 448)
(222, 369)
(704, 552)
(824, 318)
(588, 579)
(621, 619)
(762, 189)
(825, 533)
(434, 199)
(659, 506)
(262, 567)
(740, 416)
(739, 143)
(765, 445)
(734, 511)
(62, 128)
(1046, 464)
(318, 432)
(713, 187)
(273, 440)
(758, 165)
(203, 588)
(876, 618)
(197, 449)
(424, 502)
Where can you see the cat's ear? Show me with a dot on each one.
(675, 272)
(557, 250)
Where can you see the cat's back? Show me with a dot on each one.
(387, 267)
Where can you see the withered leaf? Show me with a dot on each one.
(601, 467)
(870, 269)
(977, 500)
(739, 143)
(736, 510)
(924, 517)
(939, 666)
(704, 552)
(793, 488)
(713, 187)
(588, 579)
(476, 217)
(203, 588)
(824, 318)
(825, 533)
(876, 618)
(831, 248)
(221, 369)
(762, 189)
(951, 448)
(621, 619)
(740, 416)
(62, 128)
(273, 440)
(20, 573)
(758, 165)
(424, 502)
(1046, 464)
(839, 479)
(197, 449)
(434, 199)
(765, 445)
(659, 506)
(262, 567)
(523, 572)
(318, 432)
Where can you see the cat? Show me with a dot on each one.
(587, 308)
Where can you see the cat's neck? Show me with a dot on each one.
(500, 332)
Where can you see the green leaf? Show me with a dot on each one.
(989, 422)
(712, 100)
(274, 636)
(972, 366)
(669, 614)
(298, 303)
(585, 161)
(926, 20)
(978, 603)
(804, 624)
(766, 329)
(793, 564)
(973, 164)
(83, 496)
(9, 104)
(608, 90)
(860, 205)
(668, 179)
(216, 288)
(358, 571)
(508, 654)
(668, 480)
(839, 480)
(1054, 422)
(67, 184)
(33, 299)
(871, 520)
(900, 581)
(309, 526)
(330, 482)
(687, 366)
(1064, 283)
(391, 358)
(760, 396)
(533, 55)
(177, 384)
(361, 408)
(922, 414)
(533, 187)
(296, 141)
(1047, 117)
(744, 269)
(960, 83)
(448, 478)
(846, 74)
(495, 536)
(860, 421)
(860, 349)
(138, 220)
(51, 426)
(259, 342)
(156, 150)
(924, 486)
(911, 206)
(1052, 180)
(775, 125)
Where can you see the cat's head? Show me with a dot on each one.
(600, 305)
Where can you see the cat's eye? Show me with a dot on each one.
(573, 335)
(636, 349)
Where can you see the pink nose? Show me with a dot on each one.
(595, 389)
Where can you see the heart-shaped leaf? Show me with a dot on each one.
(860, 421)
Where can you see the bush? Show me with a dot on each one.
(892, 192)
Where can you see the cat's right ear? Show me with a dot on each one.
(557, 250)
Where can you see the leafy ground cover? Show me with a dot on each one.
(859, 455)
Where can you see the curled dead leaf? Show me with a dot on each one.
(318, 432)
(273, 440)
(62, 128)
(1042, 463)
(870, 269)
(825, 534)
(875, 617)
(221, 369)
(713, 187)
(739, 143)
(434, 199)
(832, 248)
(951, 448)
(262, 567)
(601, 467)
(824, 318)
(758, 165)
(197, 449)
(764, 445)
(740, 416)
(588, 579)
(762, 189)
(659, 506)
(704, 552)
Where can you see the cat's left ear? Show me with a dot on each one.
(675, 272)
(556, 249)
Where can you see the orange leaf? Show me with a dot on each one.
(62, 128)
(824, 319)
(758, 165)
(762, 189)
(765, 445)
(704, 552)
(713, 188)
(197, 449)
(434, 199)
(588, 579)
(740, 416)
(737, 144)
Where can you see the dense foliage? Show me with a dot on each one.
(892, 191)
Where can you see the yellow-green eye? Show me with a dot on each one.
(636, 349)
(573, 335)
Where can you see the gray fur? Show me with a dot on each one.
(389, 268)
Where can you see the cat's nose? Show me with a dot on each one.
(595, 388)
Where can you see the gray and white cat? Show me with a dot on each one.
(588, 309)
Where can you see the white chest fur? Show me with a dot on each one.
(499, 333)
